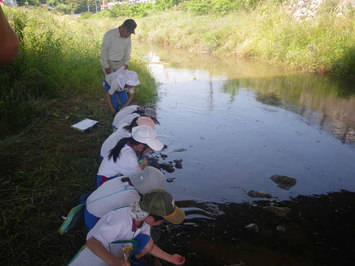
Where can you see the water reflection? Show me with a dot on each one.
(237, 123)
(324, 101)
(242, 122)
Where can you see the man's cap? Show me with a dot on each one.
(130, 24)
(145, 120)
(146, 135)
(159, 202)
(150, 178)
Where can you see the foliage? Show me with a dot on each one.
(162, 5)
(221, 7)
(59, 57)
(85, 15)
(30, 2)
(123, 10)
(63, 8)
(266, 32)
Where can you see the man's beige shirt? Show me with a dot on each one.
(115, 50)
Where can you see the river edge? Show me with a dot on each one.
(318, 230)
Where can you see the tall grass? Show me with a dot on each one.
(45, 164)
(267, 32)
(59, 57)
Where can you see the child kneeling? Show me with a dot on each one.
(131, 223)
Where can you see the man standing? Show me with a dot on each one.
(115, 53)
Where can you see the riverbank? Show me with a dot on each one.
(59, 58)
(324, 44)
(45, 172)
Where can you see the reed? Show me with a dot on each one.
(266, 31)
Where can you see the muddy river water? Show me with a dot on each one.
(230, 125)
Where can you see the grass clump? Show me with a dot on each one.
(59, 57)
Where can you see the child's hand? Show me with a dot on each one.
(108, 70)
(112, 110)
(177, 259)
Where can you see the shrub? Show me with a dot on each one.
(220, 7)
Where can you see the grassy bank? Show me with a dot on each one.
(43, 174)
(325, 43)
(45, 164)
(59, 57)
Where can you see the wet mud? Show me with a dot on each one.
(158, 160)
(317, 230)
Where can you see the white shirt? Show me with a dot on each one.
(115, 50)
(111, 195)
(126, 164)
(114, 226)
(124, 112)
(112, 140)
(126, 120)
(117, 81)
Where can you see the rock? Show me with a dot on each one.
(280, 228)
(258, 194)
(179, 150)
(279, 211)
(252, 227)
(283, 181)
(171, 179)
(163, 156)
(178, 163)
(167, 167)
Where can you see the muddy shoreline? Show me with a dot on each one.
(318, 230)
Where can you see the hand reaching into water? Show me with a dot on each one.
(177, 259)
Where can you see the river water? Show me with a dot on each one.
(233, 124)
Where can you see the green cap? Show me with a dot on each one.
(159, 202)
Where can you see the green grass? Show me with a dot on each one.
(45, 164)
(325, 43)
(44, 172)
(59, 57)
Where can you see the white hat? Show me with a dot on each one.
(127, 77)
(132, 78)
(150, 178)
(147, 135)
(145, 120)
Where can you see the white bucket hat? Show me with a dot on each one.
(127, 77)
(147, 135)
(150, 178)
(132, 78)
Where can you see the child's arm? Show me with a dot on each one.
(99, 250)
(172, 258)
(131, 96)
(112, 109)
